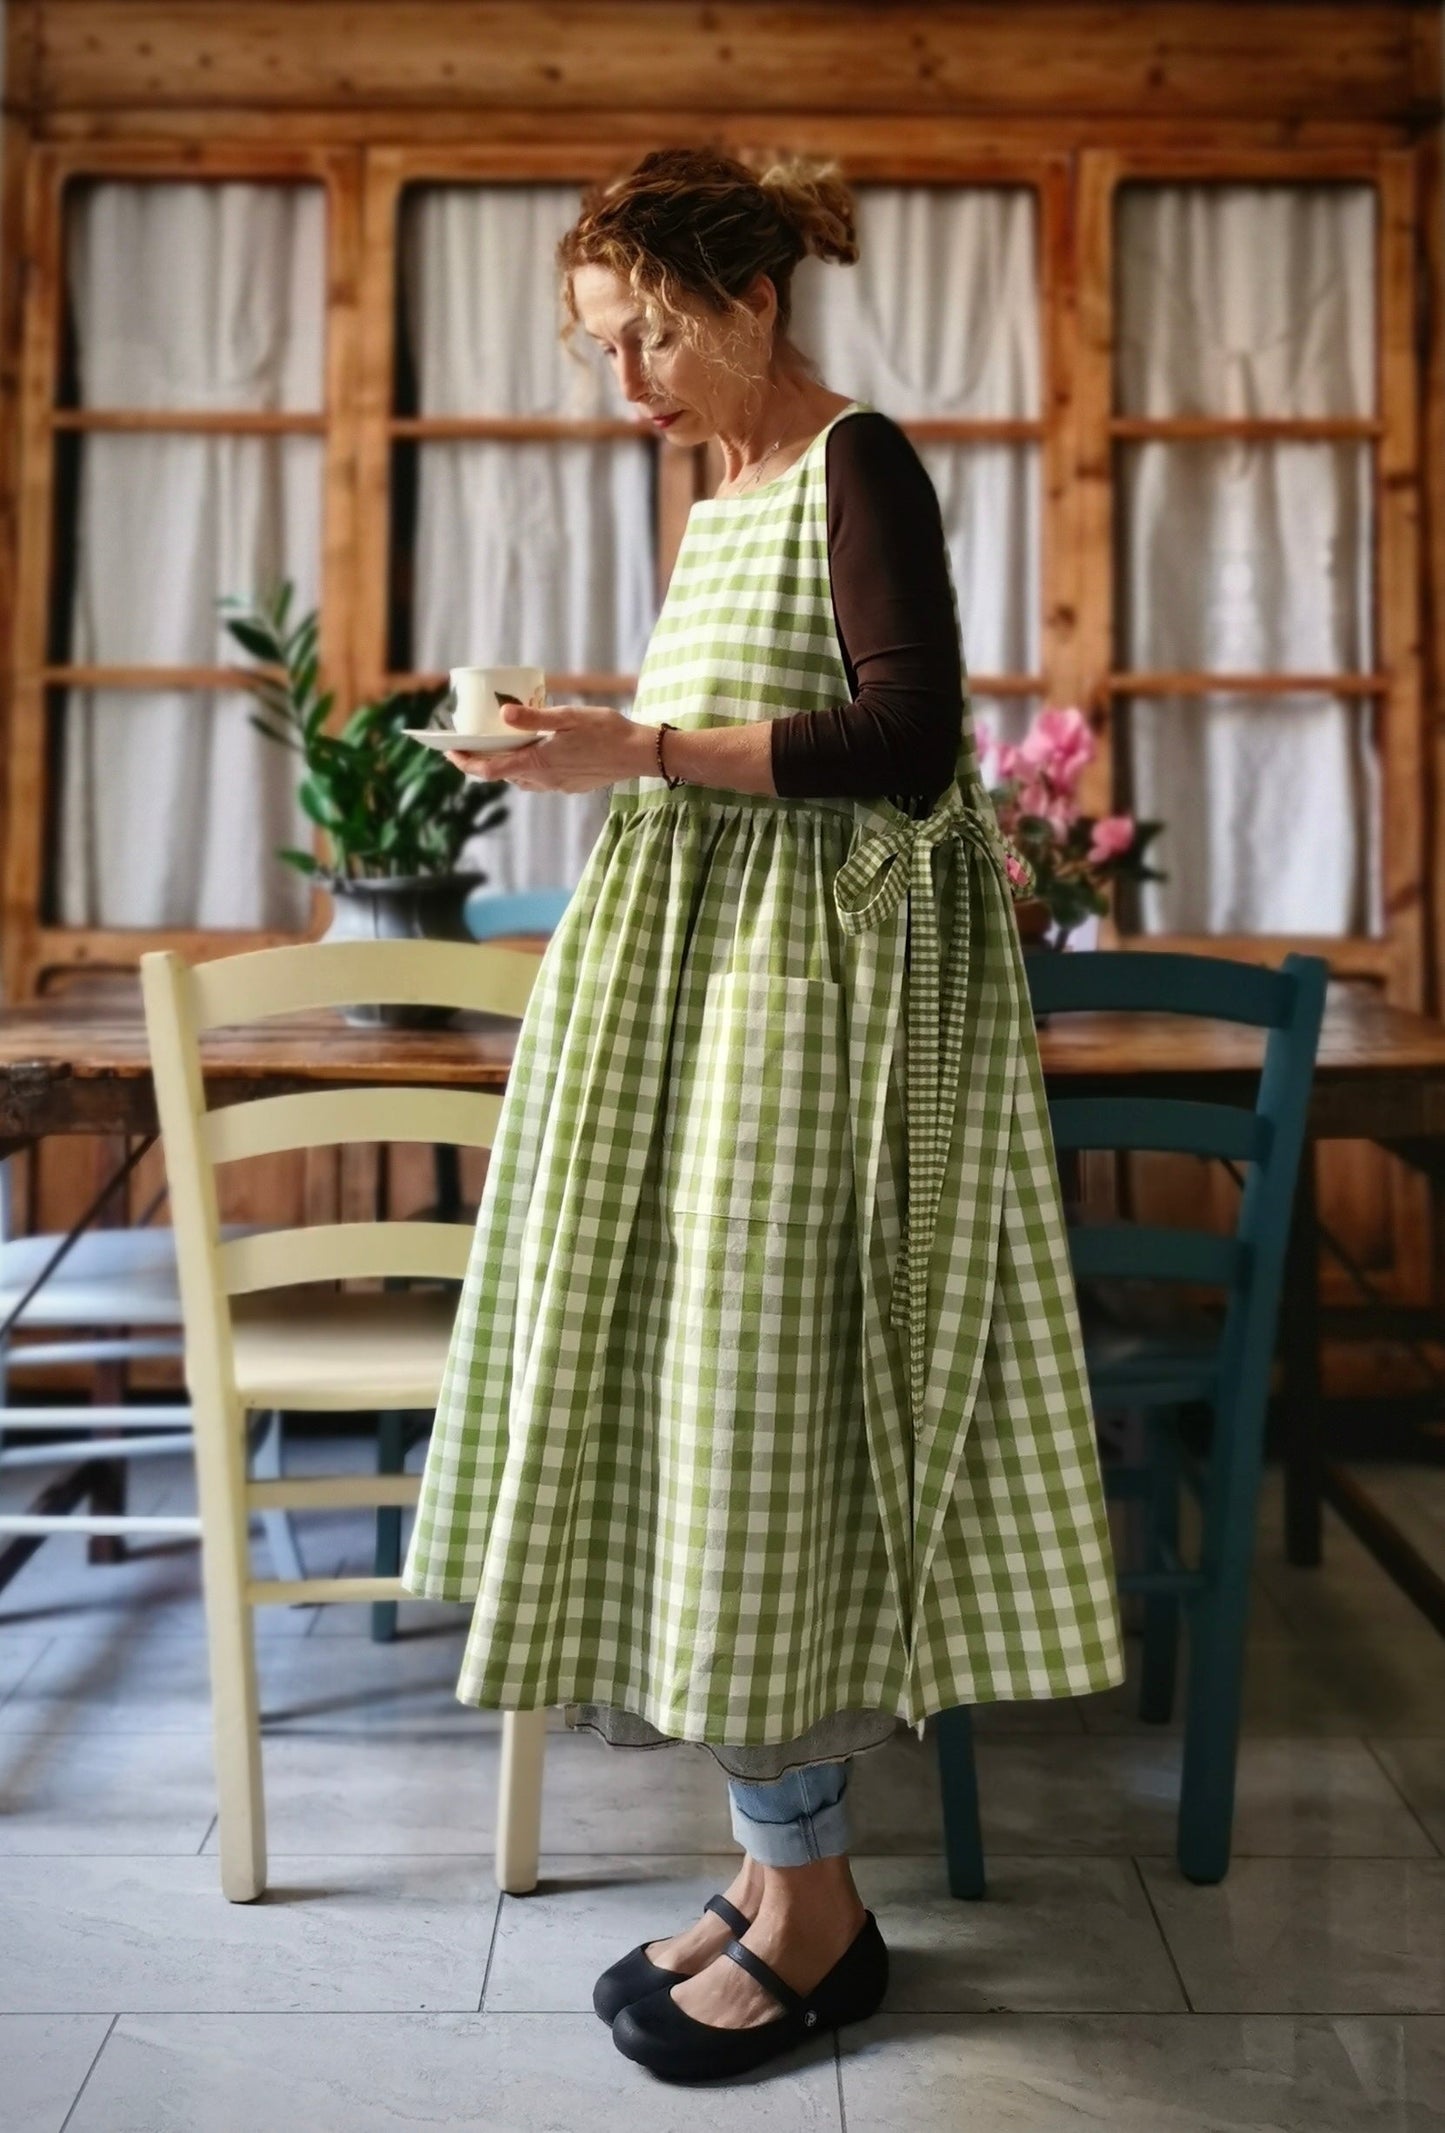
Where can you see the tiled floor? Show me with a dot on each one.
(384, 1983)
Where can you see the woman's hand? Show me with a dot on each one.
(581, 746)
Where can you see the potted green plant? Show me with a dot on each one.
(394, 818)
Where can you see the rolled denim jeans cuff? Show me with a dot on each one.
(779, 1824)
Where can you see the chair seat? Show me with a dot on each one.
(1144, 1353)
(325, 1350)
(109, 1277)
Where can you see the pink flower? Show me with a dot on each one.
(1058, 745)
(1113, 834)
(1019, 872)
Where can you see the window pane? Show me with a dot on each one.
(155, 528)
(1244, 558)
(182, 297)
(171, 806)
(528, 554)
(195, 295)
(940, 316)
(1271, 807)
(481, 307)
(1245, 300)
(537, 553)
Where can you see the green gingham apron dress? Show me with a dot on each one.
(766, 1396)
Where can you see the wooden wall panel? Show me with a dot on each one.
(1180, 56)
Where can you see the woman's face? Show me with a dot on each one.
(686, 389)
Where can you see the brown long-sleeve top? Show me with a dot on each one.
(887, 560)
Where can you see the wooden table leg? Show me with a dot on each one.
(1303, 1446)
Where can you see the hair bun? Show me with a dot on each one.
(813, 199)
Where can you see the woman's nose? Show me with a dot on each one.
(633, 378)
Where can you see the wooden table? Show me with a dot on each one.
(80, 1065)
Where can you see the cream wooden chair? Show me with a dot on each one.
(260, 1333)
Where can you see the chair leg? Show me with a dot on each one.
(1218, 1621)
(235, 1704)
(390, 1459)
(268, 1464)
(958, 1783)
(519, 1800)
(1161, 1609)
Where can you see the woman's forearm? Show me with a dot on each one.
(737, 758)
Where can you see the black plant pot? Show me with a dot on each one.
(409, 907)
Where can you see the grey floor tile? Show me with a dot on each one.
(337, 2073)
(1188, 2074)
(94, 1792)
(381, 1794)
(1074, 1933)
(1056, 1934)
(1120, 1794)
(597, 1798)
(552, 1944)
(1347, 1595)
(1384, 1684)
(19, 1655)
(45, 2059)
(157, 1590)
(1308, 1936)
(106, 1680)
(156, 1935)
(1417, 1767)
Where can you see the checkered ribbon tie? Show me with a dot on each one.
(884, 867)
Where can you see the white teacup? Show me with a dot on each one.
(479, 693)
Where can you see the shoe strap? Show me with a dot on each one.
(752, 1962)
(729, 1913)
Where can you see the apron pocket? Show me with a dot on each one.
(757, 1118)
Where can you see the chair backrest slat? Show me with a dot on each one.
(1173, 1123)
(344, 1251)
(1148, 1251)
(1150, 981)
(327, 1118)
(280, 981)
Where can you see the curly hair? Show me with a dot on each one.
(699, 223)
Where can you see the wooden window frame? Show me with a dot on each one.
(1394, 959)
(36, 950)
(1076, 433)
(682, 476)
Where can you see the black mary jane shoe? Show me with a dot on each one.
(633, 1977)
(674, 2045)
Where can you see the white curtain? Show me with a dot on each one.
(539, 554)
(182, 297)
(940, 316)
(1253, 557)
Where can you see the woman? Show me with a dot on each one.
(765, 1424)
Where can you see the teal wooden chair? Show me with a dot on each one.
(1158, 1375)
(489, 914)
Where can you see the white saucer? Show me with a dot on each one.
(468, 743)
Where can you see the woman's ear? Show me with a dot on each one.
(761, 298)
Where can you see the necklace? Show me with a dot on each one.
(757, 469)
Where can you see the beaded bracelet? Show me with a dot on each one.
(661, 766)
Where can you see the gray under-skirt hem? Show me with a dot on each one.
(842, 1733)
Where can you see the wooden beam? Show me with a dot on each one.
(1247, 429)
(194, 421)
(1397, 551)
(27, 799)
(1094, 469)
(1201, 684)
(892, 147)
(1182, 57)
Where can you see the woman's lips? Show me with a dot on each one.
(665, 422)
